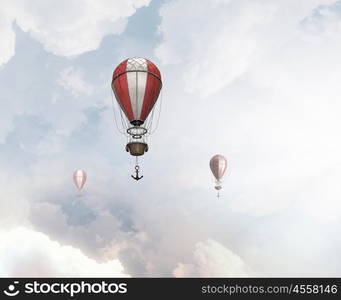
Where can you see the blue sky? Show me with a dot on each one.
(256, 81)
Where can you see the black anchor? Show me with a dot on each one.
(136, 177)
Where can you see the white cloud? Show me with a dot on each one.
(324, 22)
(25, 252)
(274, 115)
(218, 41)
(14, 207)
(8, 39)
(72, 80)
(65, 28)
(212, 259)
(68, 27)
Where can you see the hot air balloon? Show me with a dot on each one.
(79, 178)
(136, 84)
(218, 165)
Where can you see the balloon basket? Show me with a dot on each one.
(136, 148)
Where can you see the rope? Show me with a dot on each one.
(150, 119)
(158, 118)
(115, 119)
(123, 122)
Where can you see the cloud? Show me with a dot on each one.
(324, 22)
(25, 252)
(212, 259)
(14, 206)
(272, 116)
(67, 29)
(224, 38)
(8, 44)
(71, 80)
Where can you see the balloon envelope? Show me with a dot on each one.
(136, 84)
(218, 165)
(79, 178)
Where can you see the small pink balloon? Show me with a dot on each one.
(218, 165)
(79, 178)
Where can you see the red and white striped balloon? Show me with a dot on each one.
(79, 178)
(218, 165)
(136, 84)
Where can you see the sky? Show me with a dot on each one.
(257, 81)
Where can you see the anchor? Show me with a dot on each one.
(136, 177)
